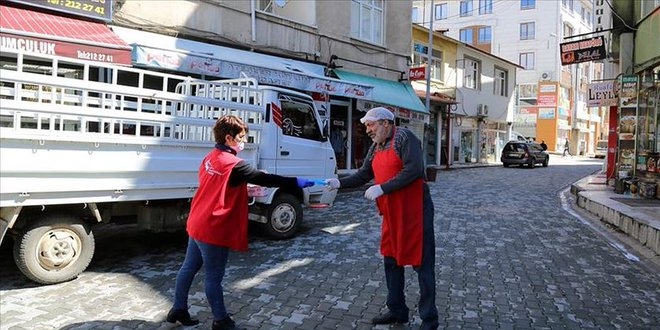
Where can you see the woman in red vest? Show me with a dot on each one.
(218, 219)
(395, 163)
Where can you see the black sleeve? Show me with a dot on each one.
(363, 175)
(244, 172)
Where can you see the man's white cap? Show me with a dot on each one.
(378, 113)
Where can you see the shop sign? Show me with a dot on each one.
(549, 100)
(601, 94)
(628, 91)
(546, 113)
(583, 50)
(95, 9)
(563, 112)
(528, 111)
(547, 88)
(181, 61)
(525, 118)
(66, 49)
(418, 73)
(563, 124)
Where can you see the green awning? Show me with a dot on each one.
(385, 91)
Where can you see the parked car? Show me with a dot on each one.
(601, 149)
(524, 153)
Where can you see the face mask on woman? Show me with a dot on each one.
(239, 147)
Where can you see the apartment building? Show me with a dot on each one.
(350, 55)
(471, 93)
(551, 98)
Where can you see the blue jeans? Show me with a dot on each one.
(214, 260)
(394, 275)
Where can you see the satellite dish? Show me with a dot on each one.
(280, 3)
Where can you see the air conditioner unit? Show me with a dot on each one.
(482, 110)
(546, 75)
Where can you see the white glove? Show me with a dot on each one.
(332, 183)
(373, 192)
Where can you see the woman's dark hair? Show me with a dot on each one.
(228, 124)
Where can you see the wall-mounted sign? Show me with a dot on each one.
(601, 94)
(628, 92)
(418, 73)
(548, 100)
(96, 9)
(583, 50)
(546, 113)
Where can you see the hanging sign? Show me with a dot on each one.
(583, 51)
(418, 73)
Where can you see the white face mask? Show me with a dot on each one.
(239, 147)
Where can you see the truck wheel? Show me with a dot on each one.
(54, 250)
(284, 217)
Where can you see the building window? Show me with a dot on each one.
(465, 35)
(466, 8)
(471, 74)
(420, 59)
(415, 15)
(485, 7)
(527, 31)
(485, 35)
(568, 30)
(440, 11)
(527, 4)
(367, 20)
(526, 60)
(501, 82)
(296, 11)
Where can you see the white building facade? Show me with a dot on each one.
(528, 32)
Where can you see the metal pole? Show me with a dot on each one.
(429, 54)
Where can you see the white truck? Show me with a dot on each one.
(83, 143)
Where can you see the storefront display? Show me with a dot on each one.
(628, 120)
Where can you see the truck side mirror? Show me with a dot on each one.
(326, 128)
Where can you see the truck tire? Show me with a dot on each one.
(284, 217)
(54, 250)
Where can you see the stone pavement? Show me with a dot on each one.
(509, 255)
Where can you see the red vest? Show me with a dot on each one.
(219, 212)
(402, 211)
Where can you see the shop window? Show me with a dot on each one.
(298, 119)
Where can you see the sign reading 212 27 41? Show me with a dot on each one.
(583, 50)
(95, 9)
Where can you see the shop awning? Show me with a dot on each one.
(385, 91)
(436, 97)
(42, 33)
(160, 51)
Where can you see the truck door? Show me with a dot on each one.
(302, 148)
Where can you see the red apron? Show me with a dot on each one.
(402, 211)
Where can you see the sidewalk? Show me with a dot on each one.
(637, 217)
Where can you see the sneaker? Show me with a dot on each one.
(389, 318)
(181, 316)
(225, 324)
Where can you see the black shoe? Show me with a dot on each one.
(225, 324)
(389, 318)
(181, 316)
(429, 325)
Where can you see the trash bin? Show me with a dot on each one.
(647, 189)
(431, 173)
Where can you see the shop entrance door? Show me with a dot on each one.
(339, 126)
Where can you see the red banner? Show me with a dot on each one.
(417, 73)
(66, 49)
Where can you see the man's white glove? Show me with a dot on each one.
(332, 183)
(373, 192)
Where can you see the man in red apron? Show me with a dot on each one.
(395, 163)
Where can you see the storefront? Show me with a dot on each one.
(40, 32)
(341, 100)
(399, 97)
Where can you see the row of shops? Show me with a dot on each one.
(341, 96)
